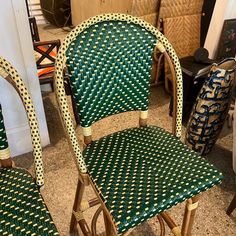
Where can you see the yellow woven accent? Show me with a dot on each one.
(4, 154)
(192, 206)
(160, 47)
(84, 205)
(176, 231)
(144, 114)
(78, 215)
(87, 131)
(3, 73)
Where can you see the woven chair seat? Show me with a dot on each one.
(141, 172)
(22, 209)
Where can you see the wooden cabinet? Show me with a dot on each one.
(83, 9)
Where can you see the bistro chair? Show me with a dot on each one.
(22, 209)
(136, 173)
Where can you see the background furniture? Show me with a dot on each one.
(46, 64)
(180, 22)
(136, 173)
(195, 71)
(194, 75)
(46, 53)
(211, 107)
(57, 12)
(22, 208)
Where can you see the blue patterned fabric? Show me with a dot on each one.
(209, 111)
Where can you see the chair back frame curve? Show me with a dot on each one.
(8, 73)
(162, 45)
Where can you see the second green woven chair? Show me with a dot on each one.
(22, 209)
(136, 173)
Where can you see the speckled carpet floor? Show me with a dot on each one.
(61, 172)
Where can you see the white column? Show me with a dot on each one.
(16, 46)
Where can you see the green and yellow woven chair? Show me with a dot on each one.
(22, 209)
(139, 172)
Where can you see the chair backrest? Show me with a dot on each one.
(11, 75)
(110, 67)
(109, 59)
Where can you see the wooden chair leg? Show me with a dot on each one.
(162, 225)
(77, 215)
(190, 210)
(94, 221)
(108, 225)
(171, 224)
(167, 87)
(232, 206)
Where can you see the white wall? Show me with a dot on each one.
(224, 9)
(16, 46)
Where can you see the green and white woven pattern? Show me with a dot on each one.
(3, 138)
(116, 68)
(110, 72)
(141, 172)
(9, 73)
(22, 209)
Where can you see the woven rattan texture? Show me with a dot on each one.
(141, 172)
(111, 72)
(170, 8)
(183, 32)
(61, 63)
(146, 10)
(3, 137)
(150, 18)
(9, 73)
(22, 209)
(144, 7)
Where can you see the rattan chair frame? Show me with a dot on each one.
(80, 206)
(8, 73)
